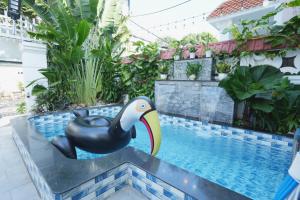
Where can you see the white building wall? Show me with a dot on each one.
(34, 57)
(10, 76)
(10, 49)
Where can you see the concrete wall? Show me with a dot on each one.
(198, 99)
(179, 69)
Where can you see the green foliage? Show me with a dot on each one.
(223, 67)
(192, 49)
(87, 84)
(83, 38)
(164, 67)
(272, 102)
(140, 75)
(287, 34)
(203, 38)
(111, 71)
(193, 69)
(21, 108)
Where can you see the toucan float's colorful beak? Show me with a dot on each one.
(151, 121)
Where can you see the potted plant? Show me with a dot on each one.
(177, 46)
(164, 69)
(192, 51)
(193, 70)
(208, 52)
(177, 54)
(223, 69)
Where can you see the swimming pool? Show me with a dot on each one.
(245, 164)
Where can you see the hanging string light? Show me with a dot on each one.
(202, 17)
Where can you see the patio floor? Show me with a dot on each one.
(15, 182)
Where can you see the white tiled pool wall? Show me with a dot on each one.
(275, 141)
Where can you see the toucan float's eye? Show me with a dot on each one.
(143, 106)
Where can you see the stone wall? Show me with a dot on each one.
(203, 100)
(179, 69)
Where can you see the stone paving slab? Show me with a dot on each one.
(15, 182)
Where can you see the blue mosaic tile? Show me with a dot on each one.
(102, 190)
(101, 177)
(168, 194)
(119, 174)
(79, 196)
(151, 178)
(151, 190)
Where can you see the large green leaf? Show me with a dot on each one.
(262, 105)
(83, 30)
(294, 3)
(38, 89)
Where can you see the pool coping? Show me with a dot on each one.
(63, 174)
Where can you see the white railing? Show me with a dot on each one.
(16, 29)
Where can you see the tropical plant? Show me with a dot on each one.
(193, 69)
(21, 108)
(203, 38)
(139, 76)
(86, 86)
(76, 32)
(271, 101)
(111, 71)
(223, 67)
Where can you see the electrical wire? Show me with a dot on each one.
(159, 11)
(145, 29)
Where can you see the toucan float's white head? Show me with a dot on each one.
(142, 109)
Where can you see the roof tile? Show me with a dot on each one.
(232, 6)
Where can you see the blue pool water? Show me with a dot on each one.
(250, 169)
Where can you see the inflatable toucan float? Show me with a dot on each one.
(102, 135)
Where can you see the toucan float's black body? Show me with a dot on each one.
(95, 134)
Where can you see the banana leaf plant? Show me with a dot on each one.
(271, 101)
(73, 30)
